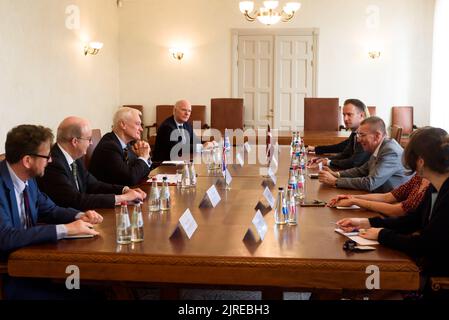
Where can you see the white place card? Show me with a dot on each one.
(228, 178)
(188, 223)
(260, 224)
(274, 162)
(269, 197)
(272, 175)
(239, 159)
(247, 147)
(320, 166)
(213, 195)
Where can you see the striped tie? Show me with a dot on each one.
(75, 174)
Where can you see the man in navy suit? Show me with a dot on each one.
(67, 180)
(175, 135)
(121, 157)
(22, 205)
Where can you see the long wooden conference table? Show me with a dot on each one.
(306, 256)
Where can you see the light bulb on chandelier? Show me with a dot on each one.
(268, 14)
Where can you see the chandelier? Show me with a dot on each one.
(268, 14)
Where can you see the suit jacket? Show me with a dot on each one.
(429, 245)
(164, 143)
(351, 156)
(380, 174)
(108, 163)
(59, 183)
(12, 233)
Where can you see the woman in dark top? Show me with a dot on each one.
(423, 233)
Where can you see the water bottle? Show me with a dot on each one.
(301, 187)
(185, 180)
(227, 142)
(155, 197)
(281, 211)
(291, 204)
(137, 224)
(165, 195)
(192, 174)
(292, 181)
(123, 226)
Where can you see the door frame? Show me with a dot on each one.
(236, 33)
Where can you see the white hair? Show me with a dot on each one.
(124, 114)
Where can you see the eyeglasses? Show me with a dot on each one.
(88, 139)
(361, 134)
(41, 156)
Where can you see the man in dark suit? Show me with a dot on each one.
(175, 137)
(23, 206)
(350, 153)
(67, 181)
(121, 157)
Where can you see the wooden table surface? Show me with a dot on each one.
(308, 255)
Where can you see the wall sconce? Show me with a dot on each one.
(92, 48)
(374, 54)
(177, 54)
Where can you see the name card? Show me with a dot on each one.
(320, 166)
(239, 159)
(260, 224)
(271, 175)
(213, 197)
(269, 197)
(274, 163)
(187, 223)
(247, 147)
(228, 178)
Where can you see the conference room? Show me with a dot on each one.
(264, 150)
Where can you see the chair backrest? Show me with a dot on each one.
(372, 111)
(396, 133)
(2, 157)
(163, 111)
(226, 113)
(96, 137)
(403, 117)
(321, 114)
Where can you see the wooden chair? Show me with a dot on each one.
(227, 113)
(372, 111)
(96, 137)
(2, 157)
(439, 283)
(396, 133)
(403, 117)
(321, 114)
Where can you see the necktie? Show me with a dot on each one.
(75, 174)
(125, 154)
(27, 217)
(181, 130)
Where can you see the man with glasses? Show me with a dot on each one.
(67, 181)
(174, 131)
(24, 208)
(349, 153)
(383, 171)
(121, 157)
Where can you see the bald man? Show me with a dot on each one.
(66, 179)
(176, 131)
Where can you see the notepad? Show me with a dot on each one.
(80, 236)
(180, 162)
(355, 237)
(353, 207)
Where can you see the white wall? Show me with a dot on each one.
(148, 28)
(44, 75)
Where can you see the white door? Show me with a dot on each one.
(274, 73)
(255, 79)
(293, 80)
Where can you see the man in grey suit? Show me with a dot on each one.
(383, 171)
